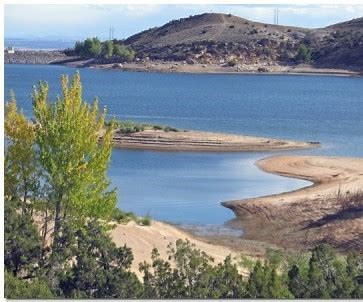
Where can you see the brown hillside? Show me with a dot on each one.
(220, 38)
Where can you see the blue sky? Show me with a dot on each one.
(79, 21)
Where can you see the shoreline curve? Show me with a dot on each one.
(321, 212)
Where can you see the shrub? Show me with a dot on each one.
(232, 62)
(145, 220)
(303, 54)
(18, 289)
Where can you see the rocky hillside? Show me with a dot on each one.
(226, 39)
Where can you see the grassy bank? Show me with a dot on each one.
(126, 127)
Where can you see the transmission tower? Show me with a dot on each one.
(276, 16)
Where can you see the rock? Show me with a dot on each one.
(262, 69)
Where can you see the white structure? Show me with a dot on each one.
(10, 49)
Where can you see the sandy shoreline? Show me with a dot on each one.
(302, 218)
(180, 67)
(203, 141)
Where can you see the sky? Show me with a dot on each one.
(74, 22)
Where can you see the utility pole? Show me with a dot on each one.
(111, 33)
(276, 16)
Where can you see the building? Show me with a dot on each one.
(10, 49)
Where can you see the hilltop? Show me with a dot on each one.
(213, 38)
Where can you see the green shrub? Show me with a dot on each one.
(145, 220)
(232, 62)
(122, 217)
(20, 289)
(303, 54)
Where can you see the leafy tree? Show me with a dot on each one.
(303, 54)
(89, 48)
(19, 289)
(22, 170)
(124, 53)
(108, 49)
(79, 48)
(74, 161)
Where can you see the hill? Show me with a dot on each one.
(213, 38)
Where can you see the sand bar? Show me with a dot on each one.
(317, 213)
(203, 141)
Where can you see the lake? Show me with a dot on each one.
(187, 187)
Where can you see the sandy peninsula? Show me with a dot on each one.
(329, 211)
(203, 141)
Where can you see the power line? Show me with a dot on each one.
(276, 16)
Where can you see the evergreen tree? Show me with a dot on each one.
(100, 269)
(22, 244)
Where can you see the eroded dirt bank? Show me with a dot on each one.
(330, 210)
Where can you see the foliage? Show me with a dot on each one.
(19, 289)
(303, 54)
(94, 48)
(22, 170)
(124, 217)
(100, 268)
(108, 49)
(89, 48)
(232, 62)
(124, 53)
(127, 127)
(70, 153)
(195, 276)
(22, 244)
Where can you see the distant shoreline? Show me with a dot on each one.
(56, 57)
(177, 67)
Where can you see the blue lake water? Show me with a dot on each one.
(187, 188)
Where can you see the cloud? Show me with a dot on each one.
(95, 19)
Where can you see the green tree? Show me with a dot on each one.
(194, 275)
(75, 162)
(22, 244)
(92, 47)
(124, 53)
(100, 269)
(354, 269)
(19, 289)
(22, 170)
(79, 48)
(108, 49)
(257, 286)
(303, 54)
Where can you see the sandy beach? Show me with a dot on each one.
(142, 239)
(318, 213)
(203, 141)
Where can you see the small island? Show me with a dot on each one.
(130, 135)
